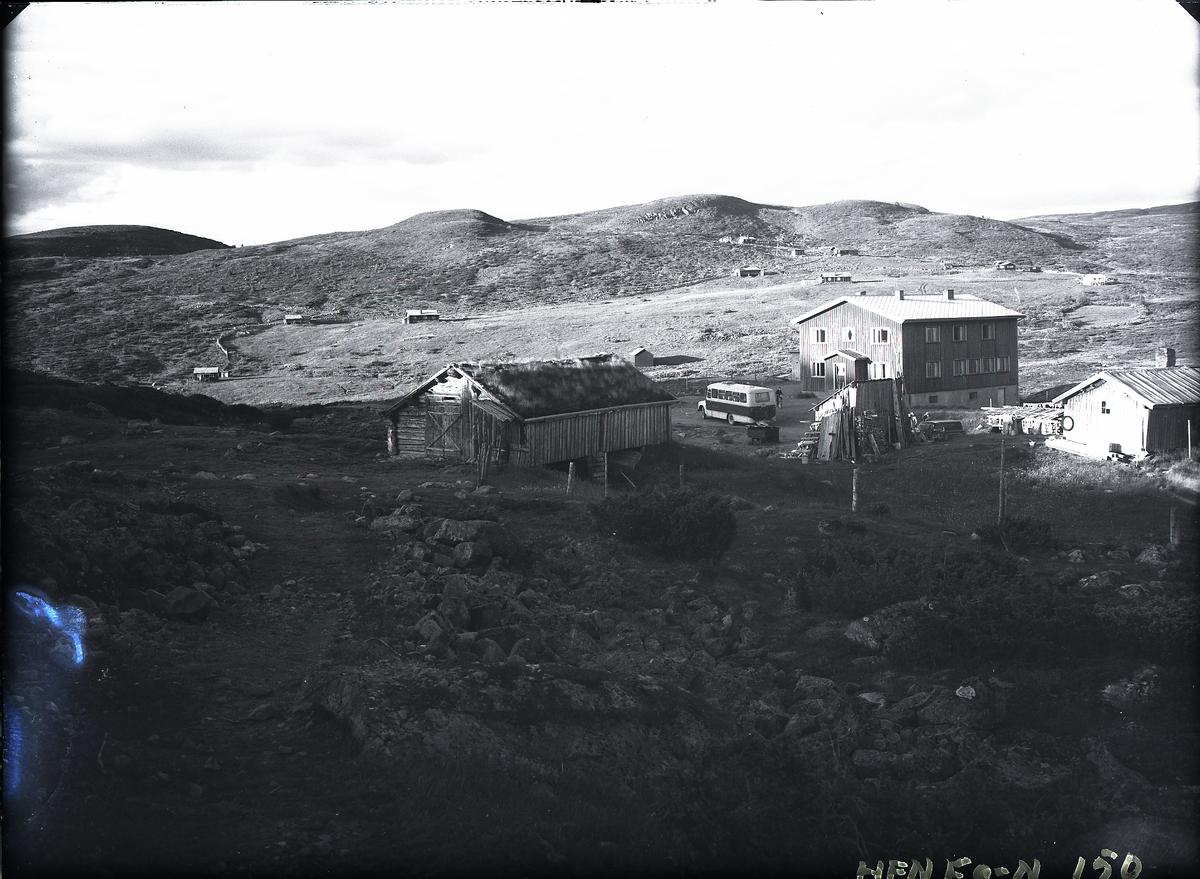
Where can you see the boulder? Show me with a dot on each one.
(1153, 555)
(186, 604)
(489, 651)
(451, 532)
(1141, 690)
(472, 554)
(865, 634)
(455, 611)
(975, 704)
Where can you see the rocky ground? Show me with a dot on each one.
(292, 654)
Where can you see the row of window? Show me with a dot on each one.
(974, 366)
(732, 396)
(881, 335)
(878, 370)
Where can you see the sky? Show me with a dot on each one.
(259, 122)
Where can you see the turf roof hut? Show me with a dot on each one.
(531, 413)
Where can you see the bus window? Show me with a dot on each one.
(741, 398)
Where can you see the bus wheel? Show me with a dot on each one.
(704, 413)
(729, 418)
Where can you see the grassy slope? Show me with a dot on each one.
(562, 286)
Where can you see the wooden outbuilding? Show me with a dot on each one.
(209, 373)
(417, 315)
(531, 413)
(1132, 412)
(641, 358)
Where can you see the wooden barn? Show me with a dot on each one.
(1132, 412)
(531, 413)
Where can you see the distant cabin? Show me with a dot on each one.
(747, 239)
(749, 272)
(294, 318)
(843, 251)
(416, 315)
(1096, 280)
(1004, 265)
(531, 413)
(835, 277)
(1132, 412)
(640, 358)
(209, 373)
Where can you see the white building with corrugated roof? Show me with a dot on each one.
(949, 349)
(1132, 412)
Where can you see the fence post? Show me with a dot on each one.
(1174, 537)
(854, 492)
(570, 476)
(1000, 510)
(681, 476)
(606, 474)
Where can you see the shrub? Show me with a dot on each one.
(1018, 533)
(673, 523)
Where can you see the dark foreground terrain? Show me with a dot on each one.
(298, 656)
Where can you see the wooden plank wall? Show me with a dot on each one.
(569, 437)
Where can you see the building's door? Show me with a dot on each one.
(443, 434)
(1002, 395)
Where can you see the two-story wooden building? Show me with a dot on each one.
(949, 349)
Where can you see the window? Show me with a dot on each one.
(960, 332)
(960, 367)
(973, 366)
(848, 334)
(879, 335)
(933, 334)
(1104, 410)
(1002, 364)
(818, 369)
(989, 364)
(933, 399)
(987, 331)
(933, 369)
(762, 397)
(879, 370)
(741, 398)
(973, 395)
(819, 337)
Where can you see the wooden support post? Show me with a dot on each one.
(854, 492)
(681, 476)
(1174, 537)
(606, 474)
(1000, 511)
(570, 475)
(1189, 439)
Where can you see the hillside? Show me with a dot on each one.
(105, 241)
(139, 314)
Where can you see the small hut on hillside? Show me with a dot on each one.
(531, 413)
(641, 358)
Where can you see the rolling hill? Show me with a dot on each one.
(118, 303)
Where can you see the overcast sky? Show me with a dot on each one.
(252, 123)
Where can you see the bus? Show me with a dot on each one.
(736, 403)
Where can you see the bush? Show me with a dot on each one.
(1018, 533)
(673, 523)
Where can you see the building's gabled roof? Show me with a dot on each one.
(846, 352)
(1162, 386)
(917, 307)
(535, 389)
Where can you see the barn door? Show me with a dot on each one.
(443, 434)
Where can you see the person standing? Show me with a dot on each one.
(778, 399)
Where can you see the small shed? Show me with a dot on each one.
(843, 251)
(294, 318)
(531, 413)
(835, 277)
(747, 239)
(209, 373)
(1132, 412)
(749, 272)
(640, 358)
(416, 315)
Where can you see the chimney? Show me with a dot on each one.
(899, 294)
(949, 294)
(1166, 357)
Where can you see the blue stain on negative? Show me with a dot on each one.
(68, 620)
(12, 748)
